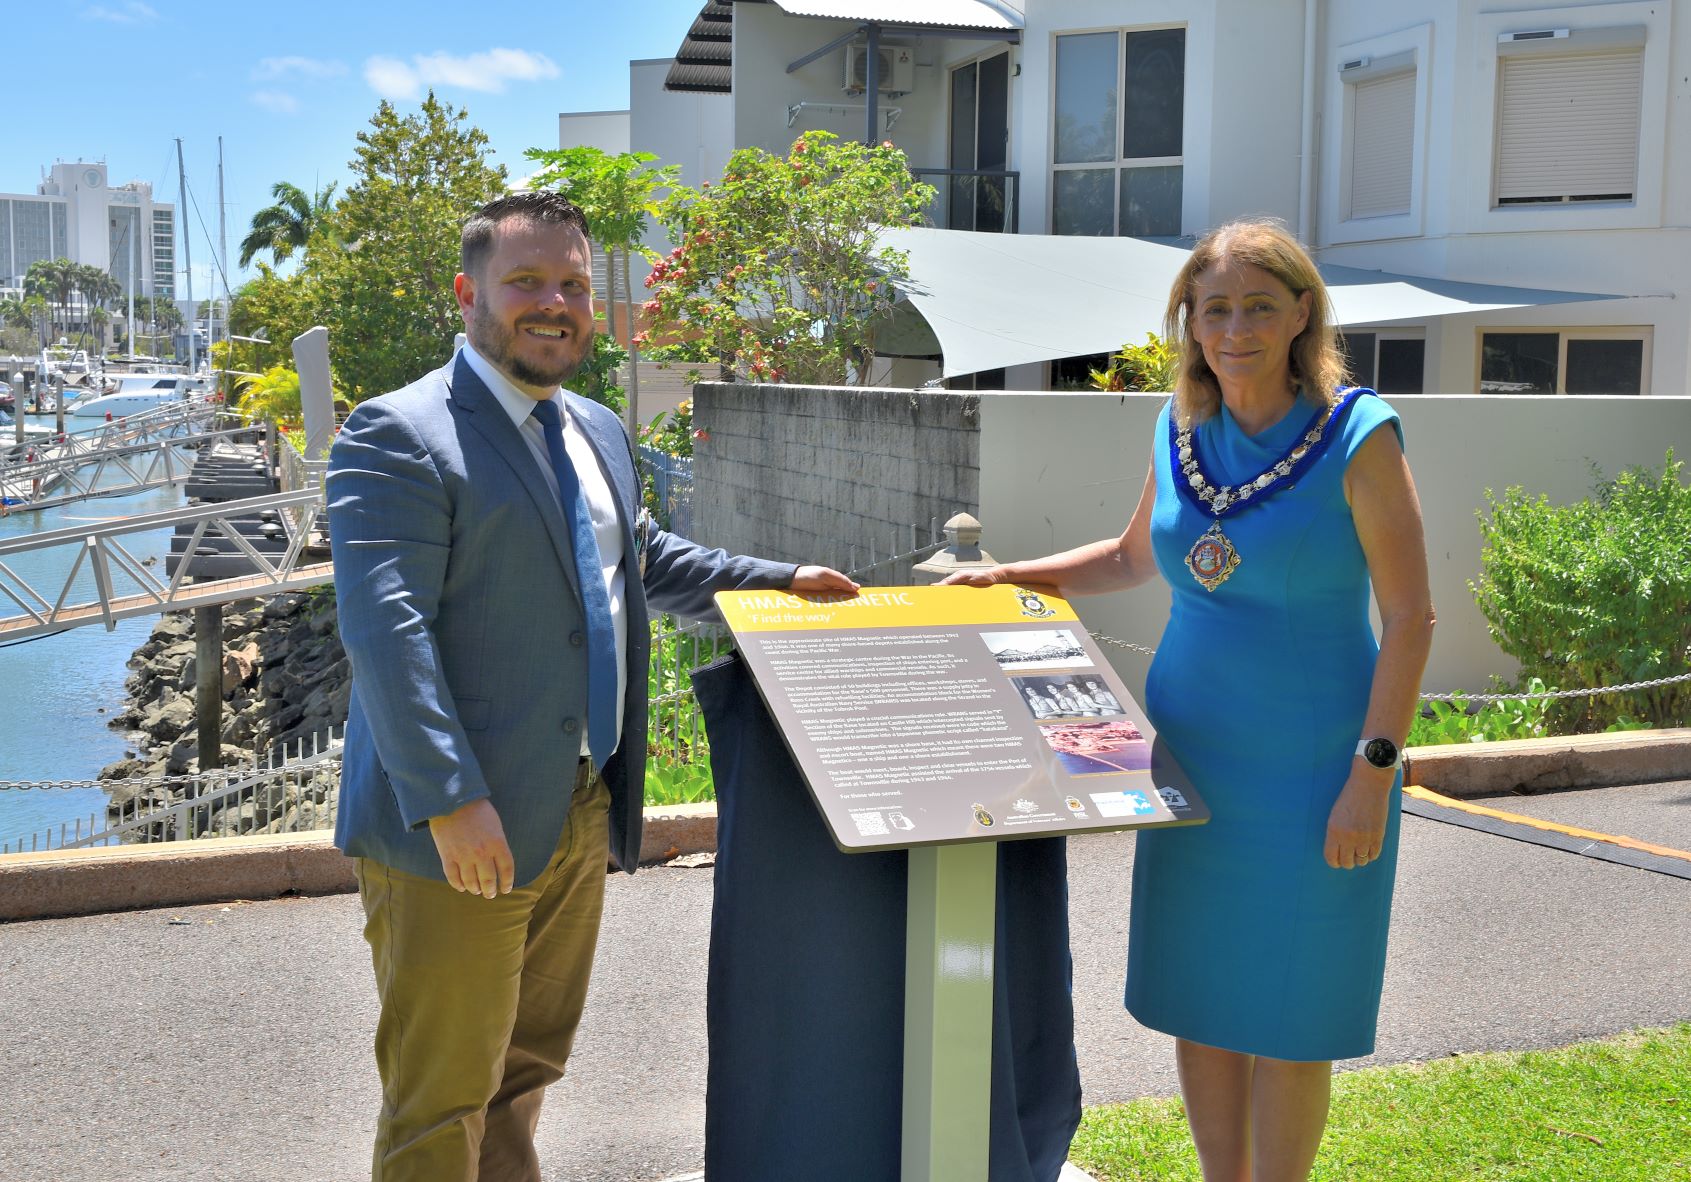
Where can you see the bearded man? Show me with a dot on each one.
(495, 579)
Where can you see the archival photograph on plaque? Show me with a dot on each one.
(927, 715)
(1053, 696)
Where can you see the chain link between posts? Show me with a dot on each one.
(1542, 695)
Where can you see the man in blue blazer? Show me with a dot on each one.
(495, 576)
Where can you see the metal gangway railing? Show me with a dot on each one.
(111, 471)
(124, 456)
(106, 583)
(293, 789)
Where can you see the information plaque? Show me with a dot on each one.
(933, 715)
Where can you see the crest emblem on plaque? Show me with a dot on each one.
(982, 816)
(1025, 806)
(1033, 607)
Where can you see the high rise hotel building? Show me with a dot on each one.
(76, 213)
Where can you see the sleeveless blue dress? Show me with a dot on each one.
(1242, 937)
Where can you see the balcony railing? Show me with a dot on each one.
(974, 199)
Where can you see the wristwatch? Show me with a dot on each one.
(1380, 752)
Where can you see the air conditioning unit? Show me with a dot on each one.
(897, 69)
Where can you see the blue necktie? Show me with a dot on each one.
(590, 577)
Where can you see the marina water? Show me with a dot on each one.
(58, 692)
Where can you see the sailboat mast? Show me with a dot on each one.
(222, 241)
(187, 256)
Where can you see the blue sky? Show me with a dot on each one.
(289, 86)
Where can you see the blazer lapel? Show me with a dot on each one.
(611, 446)
(484, 413)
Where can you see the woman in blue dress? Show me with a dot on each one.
(1273, 501)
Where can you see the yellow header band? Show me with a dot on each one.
(891, 607)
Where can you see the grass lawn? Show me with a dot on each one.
(1618, 1110)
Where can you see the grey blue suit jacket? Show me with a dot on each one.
(460, 613)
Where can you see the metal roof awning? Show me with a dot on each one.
(705, 62)
(987, 301)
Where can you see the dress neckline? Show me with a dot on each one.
(1274, 438)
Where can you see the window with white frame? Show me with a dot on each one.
(1565, 361)
(1569, 105)
(1379, 135)
(1387, 361)
(1117, 145)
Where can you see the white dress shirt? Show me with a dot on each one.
(595, 487)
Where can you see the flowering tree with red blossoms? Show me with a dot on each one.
(778, 275)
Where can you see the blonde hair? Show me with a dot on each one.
(1317, 365)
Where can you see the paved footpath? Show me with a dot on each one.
(235, 1046)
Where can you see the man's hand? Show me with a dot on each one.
(473, 850)
(822, 578)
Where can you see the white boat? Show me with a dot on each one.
(31, 432)
(140, 392)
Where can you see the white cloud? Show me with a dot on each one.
(277, 102)
(129, 12)
(489, 72)
(305, 67)
(391, 78)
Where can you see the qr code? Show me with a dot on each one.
(870, 824)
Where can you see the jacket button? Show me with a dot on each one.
(571, 726)
(577, 640)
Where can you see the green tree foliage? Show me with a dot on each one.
(274, 395)
(1595, 594)
(386, 295)
(597, 377)
(23, 324)
(53, 280)
(779, 275)
(286, 226)
(1152, 367)
(617, 194)
(281, 305)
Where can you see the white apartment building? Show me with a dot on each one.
(1517, 143)
(76, 213)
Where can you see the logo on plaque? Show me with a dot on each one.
(982, 816)
(1025, 806)
(1033, 607)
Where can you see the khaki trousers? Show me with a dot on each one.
(480, 999)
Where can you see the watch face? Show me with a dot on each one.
(1380, 752)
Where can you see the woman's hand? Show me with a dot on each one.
(990, 577)
(1356, 828)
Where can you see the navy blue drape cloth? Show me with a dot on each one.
(805, 995)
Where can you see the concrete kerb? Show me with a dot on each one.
(1468, 770)
(175, 874)
(60, 883)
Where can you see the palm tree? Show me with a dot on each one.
(20, 312)
(273, 395)
(55, 281)
(286, 226)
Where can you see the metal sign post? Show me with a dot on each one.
(948, 1012)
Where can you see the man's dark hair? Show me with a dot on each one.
(541, 205)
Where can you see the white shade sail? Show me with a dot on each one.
(995, 300)
(962, 14)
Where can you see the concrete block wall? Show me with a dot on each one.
(802, 474)
(819, 474)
